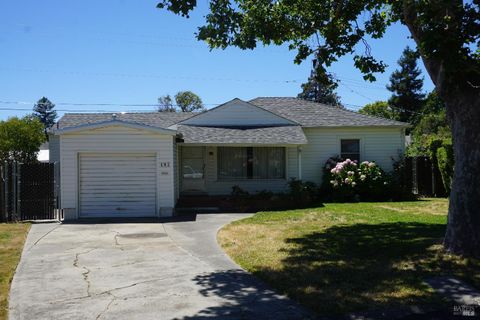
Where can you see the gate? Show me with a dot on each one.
(426, 178)
(28, 191)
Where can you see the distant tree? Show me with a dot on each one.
(20, 138)
(314, 90)
(44, 111)
(406, 86)
(379, 109)
(188, 101)
(165, 104)
(185, 101)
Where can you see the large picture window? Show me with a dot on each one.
(350, 149)
(251, 163)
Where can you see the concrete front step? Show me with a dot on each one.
(187, 210)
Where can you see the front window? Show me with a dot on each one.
(193, 163)
(251, 163)
(350, 149)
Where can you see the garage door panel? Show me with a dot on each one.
(110, 197)
(124, 180)
(122, 185)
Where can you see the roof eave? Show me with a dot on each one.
(239, 144)
(359, 126)
(109, 123)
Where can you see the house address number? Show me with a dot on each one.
(165, 164)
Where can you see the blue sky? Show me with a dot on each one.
(129, 52)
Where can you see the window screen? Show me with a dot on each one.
(350, 149)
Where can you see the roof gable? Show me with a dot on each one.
(313, 114)
(237, 113)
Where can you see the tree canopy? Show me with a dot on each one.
(406, 85)
(188, 101)
(446, 32)
(165, 104)
(44, 111)
(185, 101)
(313, 90)
(20, 139)
(379, 109)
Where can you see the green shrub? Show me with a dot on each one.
(401, 181)
(445, 164)
(302, 192)
(238, 192)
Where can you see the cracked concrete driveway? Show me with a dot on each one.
(171, 270)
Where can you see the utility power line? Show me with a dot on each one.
(131, 75)
(342, 80)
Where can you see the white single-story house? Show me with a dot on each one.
(139, 164)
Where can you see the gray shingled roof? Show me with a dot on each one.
(267, 135)
(154, 119)
(313, 114)
(305, 113)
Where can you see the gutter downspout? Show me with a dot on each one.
(299, 160)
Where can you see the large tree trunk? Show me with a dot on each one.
(460, 90)
(463, 229)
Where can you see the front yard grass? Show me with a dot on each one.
(343, 258)
(12, 238)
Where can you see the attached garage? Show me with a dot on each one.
(117, 185)
(116, 169)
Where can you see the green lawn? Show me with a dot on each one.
(344, 258)
(12, 238)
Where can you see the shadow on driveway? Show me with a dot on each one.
(247, 298)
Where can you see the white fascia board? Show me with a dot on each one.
(109, 123)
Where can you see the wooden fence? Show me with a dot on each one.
(426, 178)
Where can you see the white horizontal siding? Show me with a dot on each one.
(54, 148)
(116, 139)
(237, 113)
(376, 144)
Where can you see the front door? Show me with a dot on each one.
(193, 169)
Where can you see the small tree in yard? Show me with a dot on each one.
(44, 111)
(20, 139)
(446, 34)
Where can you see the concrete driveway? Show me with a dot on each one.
(171, 270)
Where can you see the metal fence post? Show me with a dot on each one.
(2, 193)
(6, 193)
(14, 191)
(19, 191)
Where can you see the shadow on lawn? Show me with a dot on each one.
(344, 269)
(360, 267)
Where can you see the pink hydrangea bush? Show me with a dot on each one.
(349, 180)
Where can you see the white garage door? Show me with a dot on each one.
(117, 185)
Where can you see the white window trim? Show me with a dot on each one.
(285, 178)
(351, 137)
